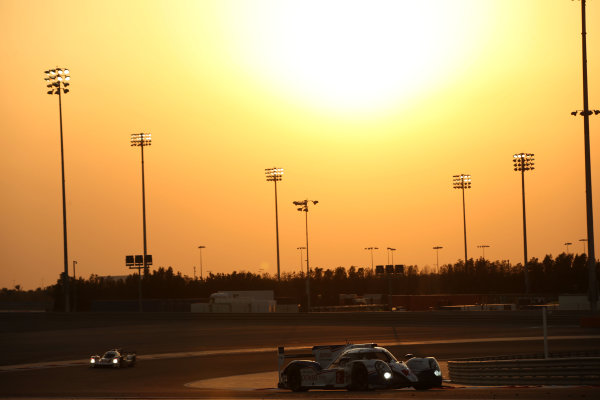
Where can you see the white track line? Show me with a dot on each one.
(204, 353)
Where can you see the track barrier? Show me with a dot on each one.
(568, 369)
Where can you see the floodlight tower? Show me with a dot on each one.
(303, 207)
(371, 249)
(567, 244)
(274, 175)
(524, 162)
(200, 248)
(301, 258)
(463, 181)
(586, 112)
(483, 247)
(437, 257)
(391, 250)
(57, 81)
(141, 140)
(583, 242)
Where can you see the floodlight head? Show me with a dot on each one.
(273, 174)
(462, 181)
(573, 112)
(523, 161)
(58, 78)
(141, 139)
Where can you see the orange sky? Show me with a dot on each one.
(369, 106)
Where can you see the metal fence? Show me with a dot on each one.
(516, 370)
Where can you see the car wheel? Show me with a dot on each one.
(294, 380)
(359, 378)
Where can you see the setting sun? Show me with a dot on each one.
(357, 56)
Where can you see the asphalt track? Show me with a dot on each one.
(234, 356)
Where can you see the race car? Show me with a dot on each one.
(356, 367)
(114, 358)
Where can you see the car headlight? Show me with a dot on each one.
(115, 361)
(383, 370)
(92, 360)
(437, 372)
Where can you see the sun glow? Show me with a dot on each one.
(358, 56)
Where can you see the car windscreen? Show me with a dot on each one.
(109, 354)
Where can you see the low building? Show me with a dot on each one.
(243, 301)
(574, 302)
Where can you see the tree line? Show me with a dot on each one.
(567, 273)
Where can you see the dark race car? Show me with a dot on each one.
(357, 367)
(115, 358)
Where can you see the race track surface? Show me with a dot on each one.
(232, 356)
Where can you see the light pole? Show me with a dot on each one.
(483, 247)
(304, 208)
(301, 262)
(463, 181)
(567, 244)
(371, 249)
(74, 286)
(141, 140)
(57, 81)
(583, 242)
(586, 112)
(437, 256)
(524, 162)
(391, 250)
(274, 175)
(200, 248)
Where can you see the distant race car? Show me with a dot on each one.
(356, 367)
(115, 358)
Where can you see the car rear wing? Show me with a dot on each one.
(281, 357)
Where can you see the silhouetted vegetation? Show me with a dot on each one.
(567, 273)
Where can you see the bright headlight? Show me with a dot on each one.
(437, 372)
(383, 369)
(115, 361)
(93, 360)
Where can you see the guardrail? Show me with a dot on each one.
(526, 371)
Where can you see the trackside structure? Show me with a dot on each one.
(242, 301)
